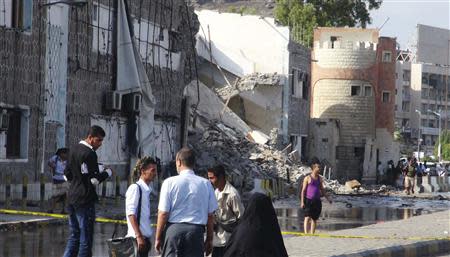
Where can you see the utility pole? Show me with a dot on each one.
(419, 136)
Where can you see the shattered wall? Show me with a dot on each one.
(21, 86)
(94, 75)
(298, 106)
(91, 74)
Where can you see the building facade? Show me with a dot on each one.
(352, 87)
(423, 90)
(58, 68)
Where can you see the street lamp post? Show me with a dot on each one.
(419, 137)
(438, 114)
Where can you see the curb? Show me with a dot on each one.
(419, 249)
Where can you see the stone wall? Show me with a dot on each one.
(21, 83)
(333, 100)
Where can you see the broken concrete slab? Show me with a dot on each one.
(352, 184)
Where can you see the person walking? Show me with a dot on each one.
(186, 205)
(410, 175)
(57, 164)
(83, 173)
(229, 212)
(137, 205)
(312, 190)
(258, 233)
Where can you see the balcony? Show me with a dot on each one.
(430, 131)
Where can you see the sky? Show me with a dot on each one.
(404, 15)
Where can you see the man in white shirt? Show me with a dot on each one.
(186, 205)
(137, 205)
(229, 212)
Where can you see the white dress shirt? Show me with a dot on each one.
(131, 204)
(187, 198)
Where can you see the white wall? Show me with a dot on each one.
(114, 148)
(244, 44)
(156, 54)
(433, 45)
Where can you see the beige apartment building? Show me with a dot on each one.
(423, 89)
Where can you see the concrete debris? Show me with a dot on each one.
(352, 185)
(258, 137)
(215, 143)
(249, 83)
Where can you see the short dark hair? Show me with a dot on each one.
(62, 151)
(218, 171)
(141, 165)
(96, 131)
(187, 157)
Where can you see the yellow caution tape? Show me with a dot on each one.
(290, 233)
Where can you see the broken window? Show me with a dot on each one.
(385, 97)
(16, 14)
(356, 91)
(387, 56)
(359, 152)
(305, 87)
(13, 133)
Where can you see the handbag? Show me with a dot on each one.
(125, 246)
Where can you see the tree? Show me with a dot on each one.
(445, 145)
(302, 16)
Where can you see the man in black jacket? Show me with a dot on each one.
(83, 173)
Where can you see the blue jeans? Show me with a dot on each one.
(81, 224)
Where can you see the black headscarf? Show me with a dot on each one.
(258, 233)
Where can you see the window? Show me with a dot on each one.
(14, 133)
(387, 56)
(16, 14)
(333, 39)
(356, 91)
(385, 97)
(299, 84)
(367, 91)
(359, 152)
(324, 140)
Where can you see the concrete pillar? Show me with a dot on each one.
(442, 182)
(418, 188)
(427, 186)
(434, 182)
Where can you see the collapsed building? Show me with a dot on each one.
(259, 72)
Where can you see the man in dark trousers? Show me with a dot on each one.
(83, 174)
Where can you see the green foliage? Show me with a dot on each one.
(302, 16)
(242, 10)
(427, 159)
(445, 148)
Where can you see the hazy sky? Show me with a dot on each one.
(404, 15)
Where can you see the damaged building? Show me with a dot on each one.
(252, 64)
(352, 105)
(63, 70)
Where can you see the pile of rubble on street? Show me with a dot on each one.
(215, 143)
(219, 136)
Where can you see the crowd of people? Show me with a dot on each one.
(197, 216)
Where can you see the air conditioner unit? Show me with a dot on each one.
(132, 102)
(113, 101)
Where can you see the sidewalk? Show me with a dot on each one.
(424, 227)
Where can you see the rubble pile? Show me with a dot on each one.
(245, 160)
(248, 83)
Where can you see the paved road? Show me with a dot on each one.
(431, 225)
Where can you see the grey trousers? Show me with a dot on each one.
(183, 240)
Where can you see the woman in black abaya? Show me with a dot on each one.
(258, 233)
